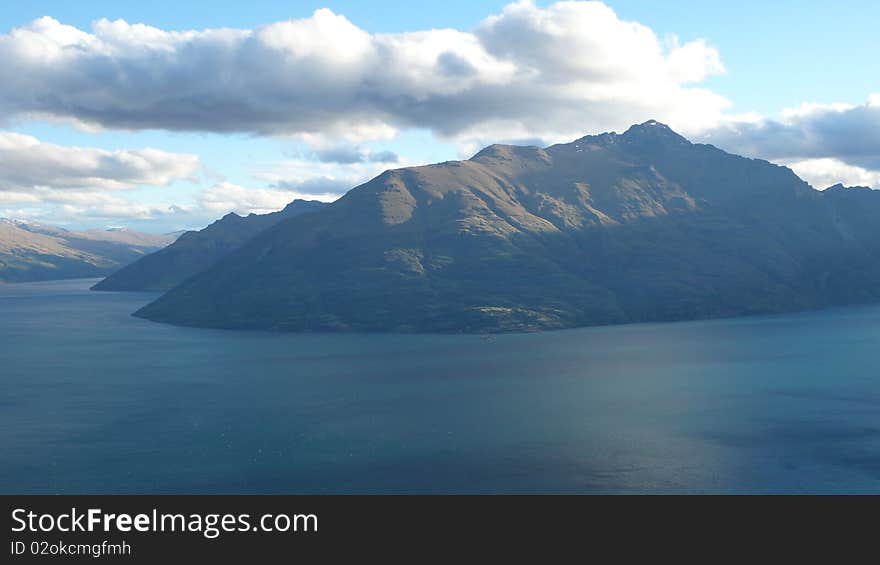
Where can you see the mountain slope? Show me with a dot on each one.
(607, 229)
(194, 252)
(34, 252)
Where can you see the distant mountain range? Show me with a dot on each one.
(612, 228)
(31, 251)
(195, 251)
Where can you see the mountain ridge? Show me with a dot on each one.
(31, 251)
(639, 226)
(195, 251)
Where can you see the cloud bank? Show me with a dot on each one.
(27, 164)
(68, 184)
(63, 182)
(824, 143)
(227, 197)
(553, 72)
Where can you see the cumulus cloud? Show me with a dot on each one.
(347, 154)
(27, 164)
(62, 206)
(826, 143)
(227, 197)
(88, 185)
(103, 208)
(822, 173)
(63, 183)
(383, 157)
(555, 72)
(847, 132)
(317, 188)
(325, 180)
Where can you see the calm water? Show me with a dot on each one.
(95, 401)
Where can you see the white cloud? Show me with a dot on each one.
(227, 197)
(290, 180)
(97, 207)
(26, 164)
(822, 173)
(348, 154)
(850, 133)
(64, 183)
(323, 180)
(694, 61)
(806, 110)
(66, 206)
(87, 185)
(555, 72)
(826, 143)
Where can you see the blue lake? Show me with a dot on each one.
(95, 401)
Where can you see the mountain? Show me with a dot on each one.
(633, 227)
(121, 236)
(195, 251)
(32, 252)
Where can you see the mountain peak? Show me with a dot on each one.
(506, 151)
(653, 123)
(650, 125)
(653, 130)
(840, 186)
(301, 203)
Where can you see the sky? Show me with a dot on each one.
(164, 115)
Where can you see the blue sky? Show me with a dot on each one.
(775, 56)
